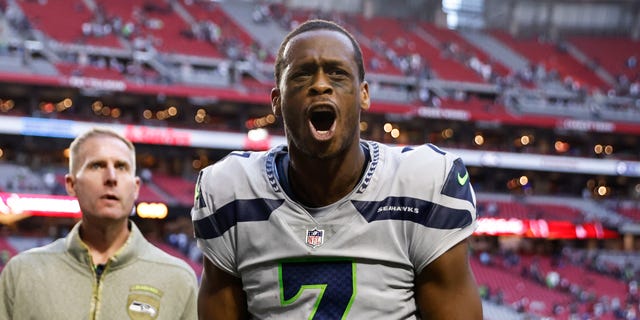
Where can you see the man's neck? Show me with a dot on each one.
(104, 239)
(321, 182)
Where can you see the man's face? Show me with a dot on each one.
(319, 95)
(105, 182)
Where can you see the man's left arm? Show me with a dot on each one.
(191, 306)
(447, 289)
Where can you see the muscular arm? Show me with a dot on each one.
(446, 288)
(221, 295)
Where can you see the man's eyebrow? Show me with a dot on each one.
(305, 66)
(122, 162)
(96, 161)
(334, 64)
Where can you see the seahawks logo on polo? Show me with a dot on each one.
(142, 308)
(143, 302)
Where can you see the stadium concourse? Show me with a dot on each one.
(547, 122)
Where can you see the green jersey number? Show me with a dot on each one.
(336, 280)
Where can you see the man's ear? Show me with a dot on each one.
(365, 100)
(276, 105)
(138, 184)
(69, 183)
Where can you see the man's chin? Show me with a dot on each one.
(322, 151)
(112, 215)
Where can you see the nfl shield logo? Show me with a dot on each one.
(315, 237)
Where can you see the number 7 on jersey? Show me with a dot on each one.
(334, 278)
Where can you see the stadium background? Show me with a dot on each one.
(540, 98)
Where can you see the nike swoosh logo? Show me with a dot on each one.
(462, 180)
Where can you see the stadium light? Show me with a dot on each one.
(478, 140)
(364, 126)
(152, 210)
(38, 205)
(395, 133)
(543, 229)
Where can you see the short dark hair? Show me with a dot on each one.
(312, 25)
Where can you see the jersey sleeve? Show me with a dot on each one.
(212, 233)
(452, 214)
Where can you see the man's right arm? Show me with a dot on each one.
(7, 290)
(220, 295)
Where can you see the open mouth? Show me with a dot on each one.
(109, 197)
(322, 120)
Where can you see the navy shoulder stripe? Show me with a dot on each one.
(198, 199)
(243, 154)
(230, 214)
(436, 149)
(457, 183)
(423, 212)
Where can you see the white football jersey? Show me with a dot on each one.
(355, 259)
